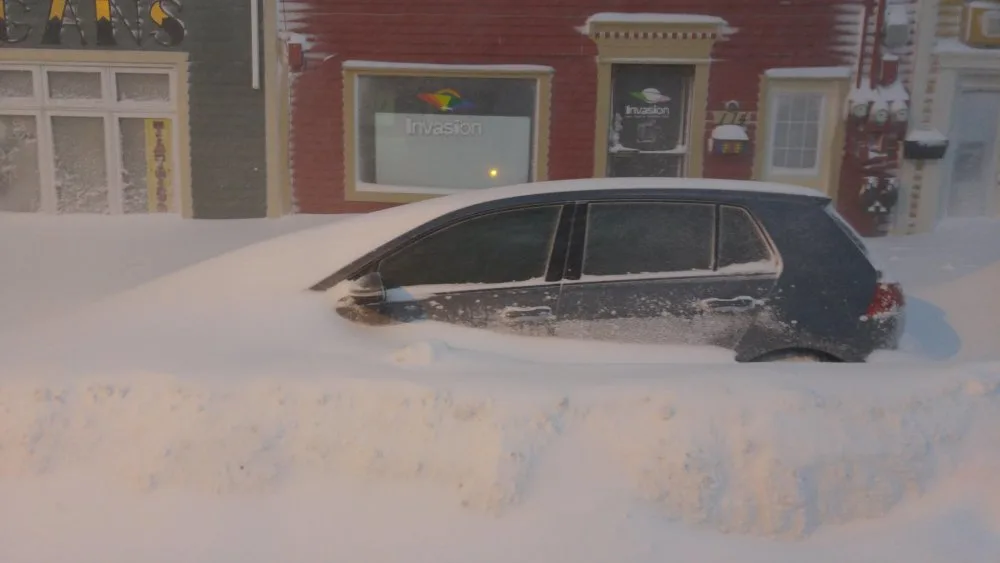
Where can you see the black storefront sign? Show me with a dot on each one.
(648, 119)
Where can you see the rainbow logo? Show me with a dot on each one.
(445, 99)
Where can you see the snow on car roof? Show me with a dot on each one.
(593, 184)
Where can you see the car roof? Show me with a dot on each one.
(555, 187)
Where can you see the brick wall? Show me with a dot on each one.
(766, 34)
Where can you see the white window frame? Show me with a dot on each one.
(43, 109)
(774, 94)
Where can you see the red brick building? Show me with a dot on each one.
(392, 101)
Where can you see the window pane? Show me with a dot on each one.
(781, 132)
(808, 158)
(20, 185)
(143, 87)
(796, 135)
(16, 84)
(441, 132)
(784, 112)
(793, 158)
(147, 164)
(811, 136)
(795, 142)
(510, 246)
(80, 170)
(75, 85)
(637, 238)
(740, 241)
(779, 157)
(800, 107)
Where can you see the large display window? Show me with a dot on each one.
(427, 134)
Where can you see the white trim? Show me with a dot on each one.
(954, 54)
(656, 60)
(810, 73)
(772, 117)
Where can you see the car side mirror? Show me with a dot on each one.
(366, 291)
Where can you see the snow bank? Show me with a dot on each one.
(759, 451)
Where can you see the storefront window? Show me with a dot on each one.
(88, 139)
(421, 134)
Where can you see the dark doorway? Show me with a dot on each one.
(649, 120)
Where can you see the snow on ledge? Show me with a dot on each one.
(730, 133)
(386, 65)
(622, 17)
(927, 137)
(651, 18)
(811, 72)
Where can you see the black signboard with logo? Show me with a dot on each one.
(648, 119)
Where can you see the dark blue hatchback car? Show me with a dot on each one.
(768, 270)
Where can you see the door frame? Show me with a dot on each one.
(628, 41)
(685, 129)
(966, 85)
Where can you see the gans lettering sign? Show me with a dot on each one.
(130, 24)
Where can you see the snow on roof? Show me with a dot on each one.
(927, 137)
(730, 133)
(379, 65)
(811, 72)
(954, 46)
(896, 15)
(593, 184)
(655, 18)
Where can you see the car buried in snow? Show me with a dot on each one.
(770, 271)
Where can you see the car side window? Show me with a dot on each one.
(502, 247)
(740, 239)
(648, 237)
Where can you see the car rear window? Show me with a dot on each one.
(848, 230)
(740, 240)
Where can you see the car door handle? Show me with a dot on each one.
(734, 304)
(526, 314)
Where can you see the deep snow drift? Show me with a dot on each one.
(166, 425)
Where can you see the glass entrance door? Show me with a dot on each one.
(649, 120)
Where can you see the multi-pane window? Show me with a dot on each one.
(796, 125)
(87, 139)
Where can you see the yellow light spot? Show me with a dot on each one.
(493, 172)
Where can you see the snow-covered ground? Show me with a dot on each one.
(201, 418)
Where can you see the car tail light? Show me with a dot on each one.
(888, 299)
